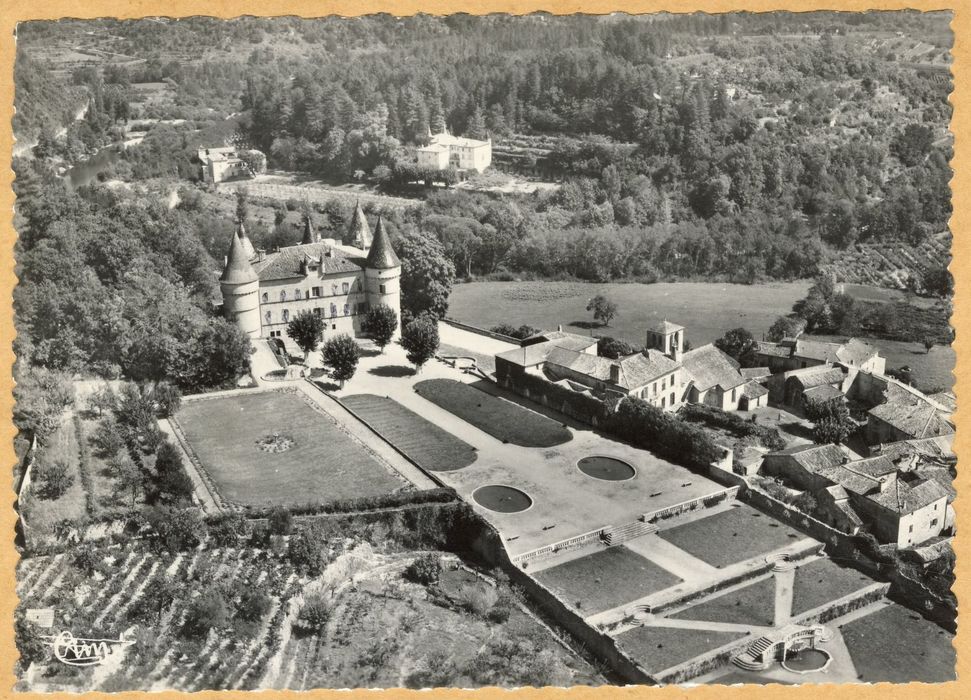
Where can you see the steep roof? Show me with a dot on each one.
(382, 255)
(825, 375)
(238, 269)
(917, 419)
(855, 352)
(359, 232)
(946, 399)
(286, 263)
(814, 458)
(248, 248)
(754, 390)
(634, 370)
(902, 497)
(309, 235)
(665, 327)
(708, 366)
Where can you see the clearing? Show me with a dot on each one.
(605, 579)
(502, 419)
(423, 441)
(731, 536)
(322, 464)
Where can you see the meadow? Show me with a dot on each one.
(706, 309)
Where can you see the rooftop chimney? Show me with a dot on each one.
(560, 328)
(615, 373)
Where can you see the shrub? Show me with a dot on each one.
(253, 605)
(227, 530)
(305, 553)
(280, 521)
(205, 612)
(613, 348)
(108, 438)
(649, 427)
(477, 599)
(54, 479)
(314, 614)
(425, 570)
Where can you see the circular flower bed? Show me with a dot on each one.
(502, 499)
(275, 443)
(606, 468)
(807, 661)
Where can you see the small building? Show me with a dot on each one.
(227, 163)
(713, 378)
(816, 384)
(462, 153)
(905, 418)
(648, 375)
(798, 353)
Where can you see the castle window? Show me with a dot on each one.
(333, 310)
(333, 288)
(381, 289)
(315, 291)
(286, 315)
(347, 309)
(317, 311)
(296, 293)
(283, 295)
(269, 317)
(362, 307)
(265, 297)
(345, 288)
(934, 522)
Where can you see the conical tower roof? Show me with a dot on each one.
(359, 233)
(247, 244)
(382, 255)
(309, 235)
(238, 269)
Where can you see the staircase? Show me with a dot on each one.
(618, 535)
(752, 658)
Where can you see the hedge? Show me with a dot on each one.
(350, 505)
(716, 418)
(664, 434)
(572, 403)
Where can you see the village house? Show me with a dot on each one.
(227, 163)
(462, 153)
(262, 292)
(898, 507)
(797, 353)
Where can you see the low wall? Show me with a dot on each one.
(841, 606)
(581, 407)
(699, 665)
(566, 545)
(708, 501)
(482, 331)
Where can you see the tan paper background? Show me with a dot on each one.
(14, 11)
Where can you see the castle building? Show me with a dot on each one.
(262, 292)
(460, 152)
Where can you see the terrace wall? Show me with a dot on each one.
(482, 331)
(581, 407)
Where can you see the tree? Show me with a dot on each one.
(205, 612)
(420, 341)
(832, 421)
(426, 275)
(613, 348)
(928, 342)
(381, 323)
(101, 400)
(55, 479)
(739, 344)
(786, 327)
(341, 354)
(603, 309)
(306, 329)
(175, 529)
(108, 437)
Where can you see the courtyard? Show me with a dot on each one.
(314, 460)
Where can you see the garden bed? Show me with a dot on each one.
(731, 536)
(752, 605)
(502, 419)
(423, 441)
(822, 581)
(605, 580)
(323, 464)
(660, 648)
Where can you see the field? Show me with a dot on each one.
(898, 646)
(502, 419)
(40, 511)
(324, 464)
(731, 536)
(706, 310)
(823, 580)
(750, 605)
(605, 579)
(658, 648)
(282, 186)
(424, 442)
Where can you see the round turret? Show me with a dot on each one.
(240, 287)
(382, 272)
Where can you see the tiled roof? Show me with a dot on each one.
(754, 390)
(941, 475)
(814, 458)
(824, 375)
(855, 352)
(935, 448)
(381, 256)
(772, 349)
(946, 399)
(590, 365)
(755, 372)
(635, 370)
(918, 419)
(708, 366)
(824, 392)
(562, 339)
(535, 353)
(285, 263)
(816, 350)
(902, 497)
(665, 327)
(359, 233)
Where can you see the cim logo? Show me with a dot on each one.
(74, 651)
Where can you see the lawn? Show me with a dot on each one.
(323, 464)
(502, 419)
(42, 513)
(660, 648)
(605, 579)
(897, 645)
(705, 309)
(731, 536)
(752, 605)
(823, 580)
(424, 442)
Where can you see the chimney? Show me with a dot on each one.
(560, 327)
(615, 373)
(260, 254)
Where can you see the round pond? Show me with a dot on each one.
(502, 499)
(606, 468)
(807, 661)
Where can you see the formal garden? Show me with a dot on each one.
(424, 442)
(660, 648)
(499, 418)
(751, 604)
(314, 460)
(731, 536)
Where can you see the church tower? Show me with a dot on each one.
(240, 286)
(668, 338)
(382, 272)
(359, 233)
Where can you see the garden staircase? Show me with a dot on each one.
(618, 535)
(752, 658)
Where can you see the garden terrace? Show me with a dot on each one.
(897, 645)
(504, 420)
(732, 535)
(605, 579)
(660, 648)
(822, 581)
(753, 604)
(324, 463)
(421, 440)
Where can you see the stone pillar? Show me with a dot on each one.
(784, 580)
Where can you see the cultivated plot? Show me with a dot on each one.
(659, 648)
(316, 461)
(822, 581)
(731, 536)
(750, 605)
(423, 441)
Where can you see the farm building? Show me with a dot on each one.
(462, 153)
(228, 162)
(796, 353)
